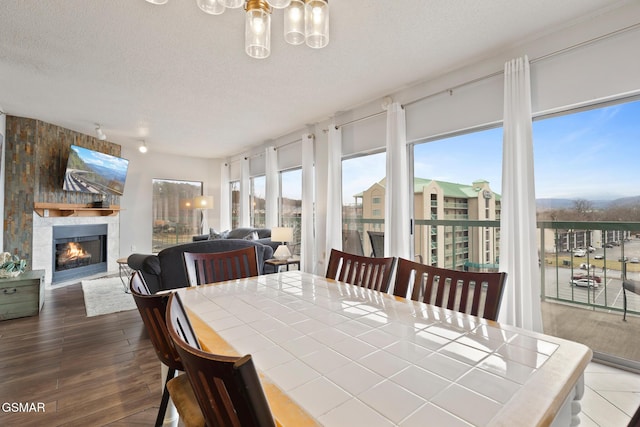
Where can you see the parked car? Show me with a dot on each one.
(600, 256)
(585, 283)
(623, 259)
(585, 266)
(591, 249)
(608, 246)
(634, 260)
(579, 252)
(579, 276)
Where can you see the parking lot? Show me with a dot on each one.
(557, 281)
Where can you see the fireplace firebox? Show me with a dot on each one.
(78, 251)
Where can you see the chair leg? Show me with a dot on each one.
(165, 398)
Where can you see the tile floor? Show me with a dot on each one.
(611, 396)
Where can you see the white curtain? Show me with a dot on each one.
(334, 191)
(518, 242)
(224, 206)
(272, 187)
(307, 235)
(245, 191)
(398, 190)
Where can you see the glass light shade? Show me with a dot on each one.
(157, 1)
(281, 234)
(279, 4)
(212, 7)
(257, 32)
(316, 23)
(233, 4)
(294, 22)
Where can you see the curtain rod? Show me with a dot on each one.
(360, 119)
(531, 61)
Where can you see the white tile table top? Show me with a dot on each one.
(351, 356)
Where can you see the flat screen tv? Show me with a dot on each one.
(89, 171)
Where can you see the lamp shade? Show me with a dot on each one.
(282, 234)
(316, 23)
(212, 7)
(203, 202)
(294, 22)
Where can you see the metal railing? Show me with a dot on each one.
(606, 248)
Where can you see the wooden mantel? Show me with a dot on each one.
(71, 209)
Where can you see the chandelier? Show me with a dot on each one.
(305, 21)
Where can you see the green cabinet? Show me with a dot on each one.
(22, 296)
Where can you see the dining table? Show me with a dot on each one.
(333, 354)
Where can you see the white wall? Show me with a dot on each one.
(136, 216)
(3, 132)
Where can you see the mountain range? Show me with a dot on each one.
(551, 204)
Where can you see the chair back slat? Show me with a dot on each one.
(371, 273)
(137, 282)
(475, 293)
(152, 310)
(227, 388)
(220, 266)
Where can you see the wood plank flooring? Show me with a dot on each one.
(87, 371)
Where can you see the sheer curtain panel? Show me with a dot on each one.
(334, 192)
(396, 225)
(307, 235)
(518, 244)
(272, 189)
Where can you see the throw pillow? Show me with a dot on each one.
(252, 236)
(214, 235)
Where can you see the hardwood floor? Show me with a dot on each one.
(86, 371)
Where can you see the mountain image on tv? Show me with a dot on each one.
(93, 172)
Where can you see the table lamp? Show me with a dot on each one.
(284, 235)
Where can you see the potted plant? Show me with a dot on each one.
(11, 265)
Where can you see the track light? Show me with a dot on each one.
(100, 133)
(143, 147)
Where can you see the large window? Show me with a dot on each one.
(174, 219)
(257, 201)
(458, 178)
(363, 198)
(234, 188)
(291, 205)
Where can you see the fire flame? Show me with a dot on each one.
(74, 250)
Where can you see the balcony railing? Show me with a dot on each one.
(606, 247)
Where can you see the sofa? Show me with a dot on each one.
(166, 270)
(263, 235)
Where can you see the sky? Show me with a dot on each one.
(592, 154)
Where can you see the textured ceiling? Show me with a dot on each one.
(180, 79)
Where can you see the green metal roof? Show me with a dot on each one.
(450, 189)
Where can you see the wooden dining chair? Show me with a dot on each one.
(366, 272)
(475, 293)
(227, 389)
(137, 283)
(220, 266)
(152, 309)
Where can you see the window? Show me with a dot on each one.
(174, 219)
(455, 178)
(234, 188)
(291, 205)
(257, 201)
(362, 181)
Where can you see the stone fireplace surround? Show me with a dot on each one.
(43, 242)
